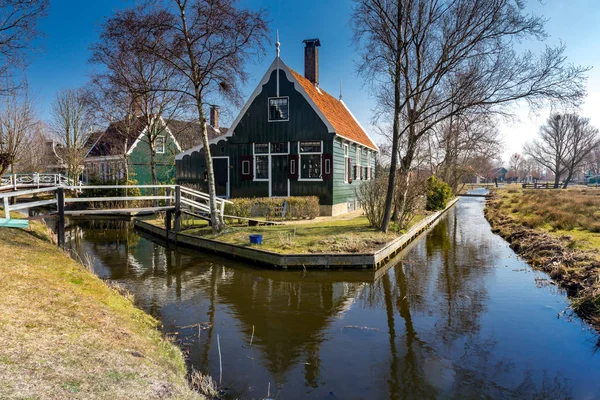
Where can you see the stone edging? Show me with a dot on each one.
(278, 260)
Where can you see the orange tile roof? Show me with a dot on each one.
(336, 113)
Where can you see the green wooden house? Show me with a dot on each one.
(105, 159)
(291, 138)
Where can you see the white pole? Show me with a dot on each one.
(6, 210)
(220, 361)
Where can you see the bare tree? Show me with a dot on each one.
(35, 156)
(429, 60)
(17, 125)
(133, 88)
(208, 43)
(462, 146)
(583, 138)
(72, 124)
(18, 28)
(557, 149)
(592, 161)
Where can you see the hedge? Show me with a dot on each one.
(272, 208)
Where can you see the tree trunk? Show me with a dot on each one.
(153, 174)
(215, 215)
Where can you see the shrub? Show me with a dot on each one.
(438, 194)
(371, 195)
(272, 208)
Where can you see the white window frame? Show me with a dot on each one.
(268, 155)
(164, 144)
(346, 148)
(369, 165)
(312, 153)
(247, 163)
(358, 166)
(269, 111)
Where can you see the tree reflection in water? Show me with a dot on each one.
(419, 330)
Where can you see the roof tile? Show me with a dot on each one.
(337, 114)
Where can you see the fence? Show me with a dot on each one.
(36, 180)
(175, 196)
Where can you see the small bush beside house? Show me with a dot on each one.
(438, 194)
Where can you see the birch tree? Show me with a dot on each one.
(208, 43)
(429, 60)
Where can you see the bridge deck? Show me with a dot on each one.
(120, 211)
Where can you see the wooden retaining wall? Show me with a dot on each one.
(278, 260)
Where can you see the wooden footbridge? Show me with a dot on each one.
(55, 200)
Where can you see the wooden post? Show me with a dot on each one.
(60, 199)
(177, 227)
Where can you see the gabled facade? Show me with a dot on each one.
(105, 159)
(290, 139)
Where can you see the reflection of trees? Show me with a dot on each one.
(289, 316)
(448, 287)
(432, 302)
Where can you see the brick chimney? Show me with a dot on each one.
(214, 116)
(311, 60)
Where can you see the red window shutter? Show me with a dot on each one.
(327, 165)
(246, 168)
(349, 170)
(293, 166)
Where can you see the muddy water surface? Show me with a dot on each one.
(459, 316)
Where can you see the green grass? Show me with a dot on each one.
(332, 236)
(67, 335)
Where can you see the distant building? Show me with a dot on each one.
(499, 174)
(105, 159)
(291, 138)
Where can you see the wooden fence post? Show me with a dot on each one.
(60, 199)
(177, 227)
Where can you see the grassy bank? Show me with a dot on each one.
(64, 334)
(557, 231)
(328, 235)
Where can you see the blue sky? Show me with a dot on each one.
(72, 25)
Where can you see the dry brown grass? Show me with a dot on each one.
(64, 334)
(557, 232)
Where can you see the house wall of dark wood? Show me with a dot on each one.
(304, 124)
(254, 127)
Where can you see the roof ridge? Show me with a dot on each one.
(351, 130)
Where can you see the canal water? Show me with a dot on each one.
(458, 316)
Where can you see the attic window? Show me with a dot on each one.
(159, 145)
(278, 109)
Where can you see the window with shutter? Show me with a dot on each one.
(246, 170)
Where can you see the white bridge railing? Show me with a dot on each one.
(175, 197)
(36, 180)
